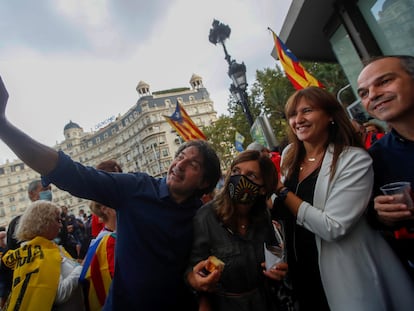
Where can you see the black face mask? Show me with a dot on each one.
(243, 190)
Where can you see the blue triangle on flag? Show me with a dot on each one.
(176, 116)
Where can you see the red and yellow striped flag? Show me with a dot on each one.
(183, 124)
(98, 271)
(295, 72)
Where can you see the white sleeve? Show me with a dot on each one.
(345, 200)
(68, 284)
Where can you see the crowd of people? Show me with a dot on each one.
(177, 243)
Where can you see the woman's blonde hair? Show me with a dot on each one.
(36, 220)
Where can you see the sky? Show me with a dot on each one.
(81, 61)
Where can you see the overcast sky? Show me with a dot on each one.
(82, 60)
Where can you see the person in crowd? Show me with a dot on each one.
(99, 265)
(74, 236)
(6, 274)
(234, 227)
(96, 226)
(327, 181)
(359, 129)
(373, 131)
(35, 192)
(154, 231)
(45, 276)
(3, 278)
(273, 155)
(81, 215)
(3, 244)
(386, 89)
(369, 131)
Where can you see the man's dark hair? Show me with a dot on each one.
(211, 163)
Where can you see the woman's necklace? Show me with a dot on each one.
(311, 160)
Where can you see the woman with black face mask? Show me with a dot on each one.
(234, 227)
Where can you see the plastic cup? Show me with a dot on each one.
(401, 191)
(273, 255)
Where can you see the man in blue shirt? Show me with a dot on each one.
(154, 231)
(386, 89)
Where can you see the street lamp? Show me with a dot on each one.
(237, 72)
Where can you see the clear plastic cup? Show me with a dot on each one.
(401, 191)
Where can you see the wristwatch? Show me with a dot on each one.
(282, 194)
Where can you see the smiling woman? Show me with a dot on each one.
(327, 180)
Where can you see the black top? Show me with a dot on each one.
(301, 248)
(242, 255)
(393, 160)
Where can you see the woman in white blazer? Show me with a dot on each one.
(327, 183)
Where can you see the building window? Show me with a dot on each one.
(392, 24)
(347, 55)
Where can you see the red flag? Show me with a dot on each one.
(295, 72)
(183, 124)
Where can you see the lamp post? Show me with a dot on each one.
(237, 72)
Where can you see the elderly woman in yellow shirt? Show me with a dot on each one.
(45, 276)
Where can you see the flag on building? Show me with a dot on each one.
(294, 70)
(239, 142)
(183, 124)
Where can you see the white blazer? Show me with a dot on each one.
(359, 271)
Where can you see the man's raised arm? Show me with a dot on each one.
(39, 157)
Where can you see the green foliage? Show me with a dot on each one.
(221, 135)
(268, 95)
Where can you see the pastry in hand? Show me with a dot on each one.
(213, 263)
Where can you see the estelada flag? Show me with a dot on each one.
(183, 124)
(294, 70)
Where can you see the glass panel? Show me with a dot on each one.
(347, 56)
(392, 23)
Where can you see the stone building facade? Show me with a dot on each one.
(140, 140)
